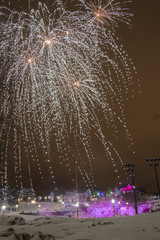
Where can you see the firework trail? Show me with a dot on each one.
(61, 70)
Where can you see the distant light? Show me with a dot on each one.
(86, 204)
(119, 202)
(77, 204)
(127, 203)
(16, 206)
(39, 206)
(3, 207)
(33, 201)
(113, 201)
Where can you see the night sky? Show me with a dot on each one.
(143, 111)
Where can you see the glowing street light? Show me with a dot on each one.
(16, 207)
(86, 204)
(76, 195)
(119, 204)
(113, 205)
(127, 208)
(3, 209)
(113, 201)
(67, 33)
(77, 204)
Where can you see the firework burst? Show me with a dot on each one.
(58, 70)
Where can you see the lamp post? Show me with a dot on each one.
(76, 196)
(127, 208)
(119, 204)
(130, 167)
(3, 209)
(113, 205)
(154, 162)
(16, 208)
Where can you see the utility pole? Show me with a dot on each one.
(130, 167)
(154, 162)
(76, 196)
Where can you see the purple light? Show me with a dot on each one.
(99, 209)
(105, 209)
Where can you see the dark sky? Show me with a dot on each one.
(142, 112)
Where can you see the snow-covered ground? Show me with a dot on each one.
(26, 227)
(40, 207)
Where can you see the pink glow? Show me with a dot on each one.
(127, 189)
(105, 209)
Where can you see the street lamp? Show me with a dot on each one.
(154, 162)
(76, 195)
(130, 167)
(3, 209)
(113, 202)
(127, 208)
(119, 204)
(16, 208)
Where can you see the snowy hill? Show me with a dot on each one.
(26, 227)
